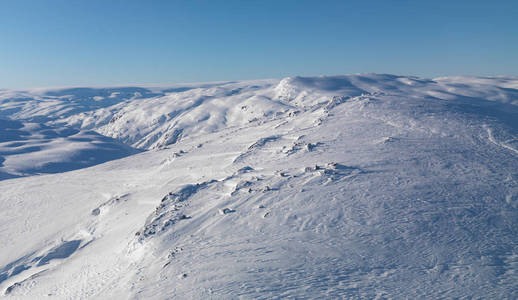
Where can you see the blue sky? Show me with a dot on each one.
(73, 42)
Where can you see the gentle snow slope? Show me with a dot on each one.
(32, 148)
(364, 186)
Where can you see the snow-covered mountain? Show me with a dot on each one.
(360, 186)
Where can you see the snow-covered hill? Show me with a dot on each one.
(361, 186)
(33, 148)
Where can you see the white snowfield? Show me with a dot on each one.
(340, 187)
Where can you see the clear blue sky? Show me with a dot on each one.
(103, 42)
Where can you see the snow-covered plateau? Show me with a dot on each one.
(333, 187)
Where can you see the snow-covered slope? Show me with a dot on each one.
(362, 186)
(33, 148)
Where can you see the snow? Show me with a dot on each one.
(33, 148)
(358, 186)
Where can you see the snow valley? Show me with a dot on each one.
(359, 186)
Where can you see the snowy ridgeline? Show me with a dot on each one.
(362, 186)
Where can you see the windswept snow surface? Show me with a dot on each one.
(361, 186)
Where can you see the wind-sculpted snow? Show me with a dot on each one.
(340, 187)
(168, 212)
